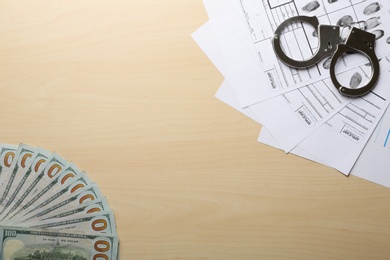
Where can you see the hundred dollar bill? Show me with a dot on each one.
(53, 168)
(82, 210)
(46, 183)
(7, 155)
(33, 175)
(25, 243)
(72, 201)
(55, 191)
(69, 182)
(17, 175)
(99, 222)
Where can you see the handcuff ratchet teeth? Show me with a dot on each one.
(330, 43)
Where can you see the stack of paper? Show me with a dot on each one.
(300, 110)
(49, 209)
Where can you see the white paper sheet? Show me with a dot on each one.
(282, 112)
(213, 7)
(374, 163)
(339, 142)
(237, 59)
(227, 93)
(263, 17)
(239, 54)
(301, 111)
(295, 115)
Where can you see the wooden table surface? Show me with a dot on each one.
(120, 88)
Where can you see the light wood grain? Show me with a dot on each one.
(121, 89)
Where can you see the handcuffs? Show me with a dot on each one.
(330, 43)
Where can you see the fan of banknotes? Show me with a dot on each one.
(49, 209)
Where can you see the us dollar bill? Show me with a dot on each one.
(34, 174)
(27, 243)
(93, 206)
(17, 174)
(57, 189)
(68, 184)
(99, 222)
(7, 156)
(47, 180)
(46, 200)
(72, 201)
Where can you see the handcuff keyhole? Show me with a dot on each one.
(369, 44)
(330, 45)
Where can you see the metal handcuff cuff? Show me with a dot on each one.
(330, 42)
